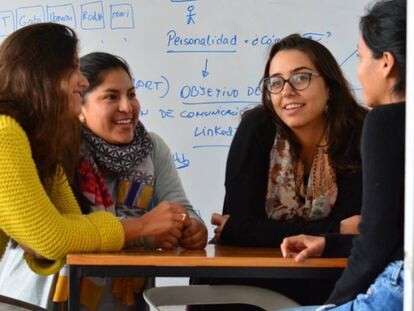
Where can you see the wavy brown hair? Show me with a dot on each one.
(34, 62)
(344, 116)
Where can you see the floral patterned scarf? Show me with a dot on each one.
(287, 195)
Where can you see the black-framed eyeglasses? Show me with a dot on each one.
(299, 81)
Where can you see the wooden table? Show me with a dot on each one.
(216, 261)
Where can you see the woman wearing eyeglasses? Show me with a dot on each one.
(374, 276)
(294, 165)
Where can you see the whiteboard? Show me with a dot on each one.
(197, 63)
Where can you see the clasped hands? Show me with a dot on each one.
(176, 228)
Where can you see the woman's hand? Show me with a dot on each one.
(301, 247)
(350, 225)
(166, 217)
(194, 235)
(219, 221)
(168, 240)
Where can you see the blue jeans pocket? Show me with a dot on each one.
(387, 291)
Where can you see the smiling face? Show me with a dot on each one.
(74, 85)
(298, 109)
(111, 109)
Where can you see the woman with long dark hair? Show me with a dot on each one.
(374, 276)
(41, 90)
(294, 163)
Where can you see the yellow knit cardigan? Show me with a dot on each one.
(52, 225)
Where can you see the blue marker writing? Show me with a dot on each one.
(205, 73)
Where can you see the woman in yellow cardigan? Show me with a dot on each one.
(40, 99)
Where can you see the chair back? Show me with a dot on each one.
(216, 294)
(22, 305)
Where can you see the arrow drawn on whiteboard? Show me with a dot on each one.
(346, 59)
(205, 73)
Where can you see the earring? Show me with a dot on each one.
(326, 108)
(82, 119)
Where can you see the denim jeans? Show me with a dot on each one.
(385, 294)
